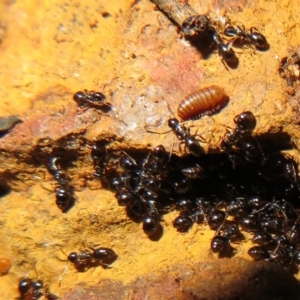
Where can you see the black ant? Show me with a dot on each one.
(262, 238)
(64, 193)
(240, 145)
(216, 219)
(193, 172)
(185, 221)
(280, 167)
(279, 208)
(90, 98)
(225, 50)
(86, 259)
(34, 290)
(250, 223)
(259, 253)
(245, 124)
(294, 232)
(196, 25)
(221, 243)
(100, 158)
(184, 204)
(276, 242)
(25, 287)
(232, 232)
(250, 37)
(125, 197)
(128, 163)
(237, 208)
(139, 186)
(182, 133)
(151, 221)
(155, 163)
(200, 27)
(285, 255)
(181, 185)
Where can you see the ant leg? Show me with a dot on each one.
(215, 145)
(147, 126)
(171, 150)
(104, 265)
(146, 160)
(196, 134)
(180, 148)
(127, 155)
(261, 209)
(252, 29)
(224, 64)
(89, 93)
(239, 42)
(220, 227)
(277, 247)
(82, 109)
(201, 139)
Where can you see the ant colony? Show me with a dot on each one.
(248, 187)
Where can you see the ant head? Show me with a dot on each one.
(245, 121)
(25, 285)
(72, 257)
(159, 152)
(218, 243)
(128, 163)
(182, 223)
(37, 285)
(151, 224)
(172, 123)
(63, 197)
(79, 96)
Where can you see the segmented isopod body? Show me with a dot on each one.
(206, 101)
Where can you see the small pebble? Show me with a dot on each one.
(5, 264)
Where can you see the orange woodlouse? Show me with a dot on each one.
(206, 101)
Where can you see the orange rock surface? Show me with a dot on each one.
(132, 53)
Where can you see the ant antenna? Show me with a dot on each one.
(63, 252)
(150, 131)
(106, 266)
(35, 269)
(221, 226)
(165, 132)
(110, 82)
